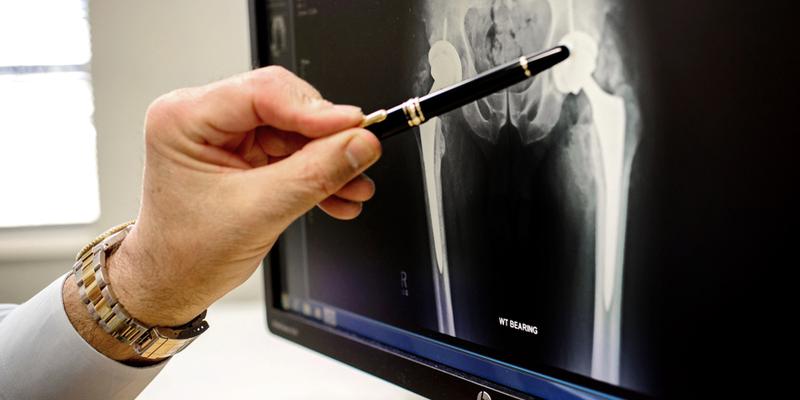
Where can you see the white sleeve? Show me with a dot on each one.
(42, 356)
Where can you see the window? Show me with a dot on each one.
(48, 161)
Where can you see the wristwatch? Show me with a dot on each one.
(95, 291)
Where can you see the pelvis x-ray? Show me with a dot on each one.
(527, 189)
(596, 222)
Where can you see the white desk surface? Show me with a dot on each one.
(239, 359)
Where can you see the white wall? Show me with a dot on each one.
(141, 49)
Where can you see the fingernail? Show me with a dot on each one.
(361, 151)
(368, 179)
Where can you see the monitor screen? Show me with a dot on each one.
(570, 228)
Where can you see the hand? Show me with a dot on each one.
(228, 167)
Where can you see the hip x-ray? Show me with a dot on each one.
(572, 133)
(522, 195)
(521, 226)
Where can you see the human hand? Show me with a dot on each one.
(228, 167)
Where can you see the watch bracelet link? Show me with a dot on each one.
(95, 292)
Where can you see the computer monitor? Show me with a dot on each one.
(583, 234)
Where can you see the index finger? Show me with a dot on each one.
(271, 96)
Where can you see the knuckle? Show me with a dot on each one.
(278, 71)
(157, 109)
(271, 75)
(278, 88)
(166, 111)
(159, 114)
(269, 85)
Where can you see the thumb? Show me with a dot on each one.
(320, 169)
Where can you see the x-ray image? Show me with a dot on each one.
(571, 132)
(500, 227)
(597, 224)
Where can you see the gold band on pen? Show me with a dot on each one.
(407, 113)
(419, 109)
(523, 62)
(413, 112)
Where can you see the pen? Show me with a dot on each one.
(415, 111)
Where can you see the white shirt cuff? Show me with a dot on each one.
(42, 356)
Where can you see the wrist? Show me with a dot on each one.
(91, 332)
(150, 292)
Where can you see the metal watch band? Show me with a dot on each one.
(94, 289)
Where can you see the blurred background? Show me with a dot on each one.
(76, 77)
(62, 183)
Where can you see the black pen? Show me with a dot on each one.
(417, 110)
